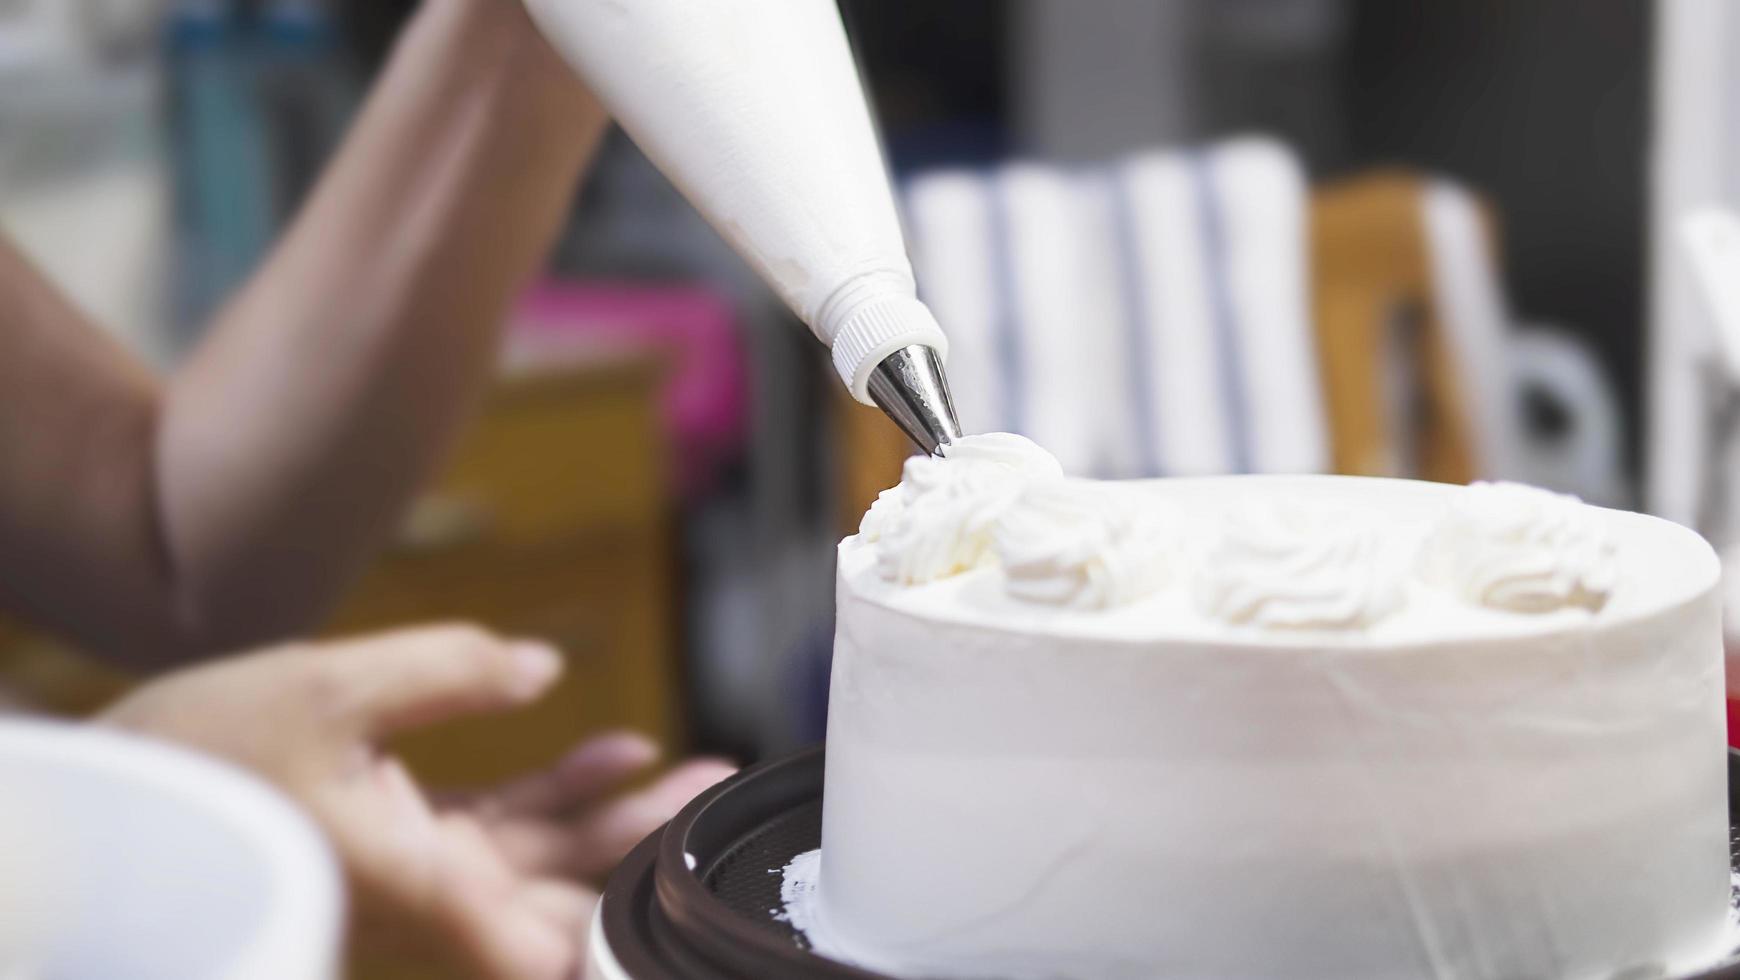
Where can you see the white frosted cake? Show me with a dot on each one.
(1263, 727)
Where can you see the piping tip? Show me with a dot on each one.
(910, 387)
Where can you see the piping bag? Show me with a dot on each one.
(753, 109)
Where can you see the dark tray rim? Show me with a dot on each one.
(707, 828)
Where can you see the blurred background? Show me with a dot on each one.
(1325, 235)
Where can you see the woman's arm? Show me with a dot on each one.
(230, 505)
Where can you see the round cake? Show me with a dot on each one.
(1255, 727)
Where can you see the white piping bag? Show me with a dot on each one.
(753, 109)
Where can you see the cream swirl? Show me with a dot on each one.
(890, 504)
(1018, 455)
(1081, 544)
(938, 522)
(1297, 567)
(1522, 549)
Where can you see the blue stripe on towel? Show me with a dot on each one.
(1005, 321)
(1212, 227)
(1137, 318)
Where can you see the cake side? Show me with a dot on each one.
(1544, 810)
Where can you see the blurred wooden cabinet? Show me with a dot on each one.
(553, 520)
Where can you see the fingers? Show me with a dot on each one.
(419, 677)
(565, 906)
(676, 788)
(506, 925)
(595, 843)
(535, 932)
(598, 766)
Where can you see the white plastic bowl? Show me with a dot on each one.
(125, 857)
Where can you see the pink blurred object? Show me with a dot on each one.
(706, 396)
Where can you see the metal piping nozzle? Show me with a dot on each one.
(910, 386)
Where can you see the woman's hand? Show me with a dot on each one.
(503, 879)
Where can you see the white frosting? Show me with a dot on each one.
(889, 507)
(1269, 563)
(1080, 544)
(1018, 455)
(938, 522)
(1522, 549)
(1017, 783)
(1285, 566)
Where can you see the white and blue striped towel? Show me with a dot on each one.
(1149, 317)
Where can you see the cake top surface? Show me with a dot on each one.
(995, 535)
